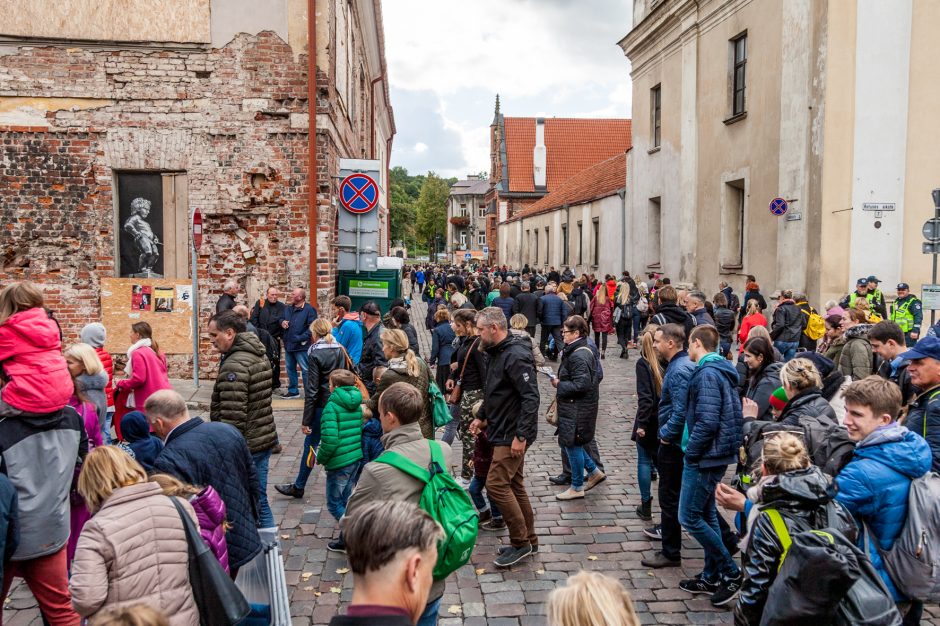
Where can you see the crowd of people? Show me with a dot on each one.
(826, 420)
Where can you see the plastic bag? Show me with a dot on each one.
(264, 585)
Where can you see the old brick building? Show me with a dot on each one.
(188, 103)
(530, 157)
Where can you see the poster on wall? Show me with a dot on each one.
(184, 295)
(141, 297)
(140, 220)
(163, 299)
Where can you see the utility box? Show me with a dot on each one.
(380, 286)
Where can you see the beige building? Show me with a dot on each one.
(827, 105)
(466, 218)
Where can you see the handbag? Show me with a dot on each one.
(457, 392)
(361, 386)
(219, 601)
(551, 415)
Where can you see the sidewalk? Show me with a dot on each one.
(198, 399)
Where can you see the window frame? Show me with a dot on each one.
(596, 226)
(739, 74)
(656, 122)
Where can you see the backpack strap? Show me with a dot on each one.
(405, 465)
(783, 534)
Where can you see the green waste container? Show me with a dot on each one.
(381, 286)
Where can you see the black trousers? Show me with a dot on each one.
(531, 331)
(669, 462)
(550, 331)
(276, 366)
(593, 451)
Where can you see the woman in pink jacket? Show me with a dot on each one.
(34, 375)
(601, 314)
(146, 372)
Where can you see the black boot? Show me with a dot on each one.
(645, 510)
(289, 489)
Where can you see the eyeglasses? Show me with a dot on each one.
(567, 331)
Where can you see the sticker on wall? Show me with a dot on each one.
(184, 295)
(141, 296)
(163, 299)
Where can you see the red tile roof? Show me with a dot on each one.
(571, 145)
(596, 182)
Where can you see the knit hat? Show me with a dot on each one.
(778, 399)
(94, 334)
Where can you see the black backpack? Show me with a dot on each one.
(828, 445)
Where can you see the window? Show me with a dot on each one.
(535, 255)
(655, 110)
(654, 233)
(463, 210)
(739, 74)
(732, 226)
(548, 245)
(152, 219)
(597, 241)
(580, 243)
(564, 244)
(463, 240)
(481, 211)
(481, 239)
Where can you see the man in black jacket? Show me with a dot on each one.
(788, 325)
(887, 341)
(526, 303)
(669, 312)
(372, 354)
(510, 415)
(267, 314)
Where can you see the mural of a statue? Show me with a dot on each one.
(145, 240)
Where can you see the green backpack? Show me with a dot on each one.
(445, 501)
(440, 411)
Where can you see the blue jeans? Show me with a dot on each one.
(261, 466)
(106, 433)
(429, 617)
(292, 360)
(476, 494)
(580, 462)
(311, 442)
(339, 484)
(644, 472)
(636, 321)
(787, 348)
(698, 515)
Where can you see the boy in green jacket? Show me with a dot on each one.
(340, 450)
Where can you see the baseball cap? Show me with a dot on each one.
(926, 348)
(370, 308)
(904, 286)
(861, 281)
(873, 279)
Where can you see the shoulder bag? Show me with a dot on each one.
(457, 393)
(218, 600)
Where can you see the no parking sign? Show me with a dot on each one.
(358, 193)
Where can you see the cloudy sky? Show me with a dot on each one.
(447, 60)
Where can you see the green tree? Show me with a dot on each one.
(431, 208)
(402, 205)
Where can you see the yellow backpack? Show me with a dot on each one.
(815, 325)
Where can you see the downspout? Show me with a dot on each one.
(388, 195)
(313, 217)
(372, 112)
(623, 228)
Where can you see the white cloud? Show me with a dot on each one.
(421, 147)
(544, 57)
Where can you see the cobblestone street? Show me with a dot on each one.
(599, 533)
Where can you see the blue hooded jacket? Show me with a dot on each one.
(874, 486)
(136, 432)
(713, 413)
(673, 397)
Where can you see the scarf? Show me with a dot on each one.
(129, 369)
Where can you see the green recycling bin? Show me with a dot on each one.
(380, 286)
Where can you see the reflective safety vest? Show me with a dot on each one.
(868, 296)
(901, 314)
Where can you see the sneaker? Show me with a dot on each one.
(503, 549)
(484, 516)
(659, 560)
(594, 480)
(697, 585)
(288, 489)
(656, 532)
(727, 589)
(560, 480)
(296, 394)
(337, 545)
(497, 523)
(463, 482)
(513, 556)
(569, 494)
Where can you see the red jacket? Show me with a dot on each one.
(148, 375)
(38, 379)
(749, 322)
(611, 289)
(602, 316)
(105, 357)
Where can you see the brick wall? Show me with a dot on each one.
(234, 119)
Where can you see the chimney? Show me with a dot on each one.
(538, 156)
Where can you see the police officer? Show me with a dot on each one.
(875, 298)
(861, 291)
(908, 313)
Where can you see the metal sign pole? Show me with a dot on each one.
(195, 304)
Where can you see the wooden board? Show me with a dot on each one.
(173, 330)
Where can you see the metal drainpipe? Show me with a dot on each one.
(623, 228)
(313, 217)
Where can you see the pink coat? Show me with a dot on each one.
(38, 379)
(78, 511)
(148, 375)
(602, 316)
(210, 512)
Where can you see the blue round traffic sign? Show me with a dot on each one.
(778, 206)
(358, 193)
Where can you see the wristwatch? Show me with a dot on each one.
(520, 439)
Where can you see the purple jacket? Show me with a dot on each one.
(210, 511)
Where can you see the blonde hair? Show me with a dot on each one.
(601, 294)
(397, 340)
(519, 321)
(800, 374)
(646, 349)
(784, 453)
(107, 468)
(591, 599)
(18, 297)
(753, 306)
(173, 486)
(86, 355)
(322, 329)
(134, 615)
(458, 300)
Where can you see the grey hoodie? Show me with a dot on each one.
(93, 386)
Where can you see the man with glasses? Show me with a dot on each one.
(510, 416)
